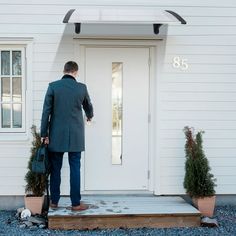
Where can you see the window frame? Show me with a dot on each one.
(23, 87)
(19, 138)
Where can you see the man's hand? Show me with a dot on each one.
(45, 140)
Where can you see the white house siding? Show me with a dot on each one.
(202, 97)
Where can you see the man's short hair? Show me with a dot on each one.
(71, 67)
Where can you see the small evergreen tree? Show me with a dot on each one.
(198, 180)
(35, 183)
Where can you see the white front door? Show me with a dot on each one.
(116, 156)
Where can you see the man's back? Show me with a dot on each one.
(63, 103)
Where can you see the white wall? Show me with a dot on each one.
(203, 97)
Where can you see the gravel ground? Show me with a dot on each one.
(226, 216)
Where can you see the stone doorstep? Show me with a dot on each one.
(125, 211)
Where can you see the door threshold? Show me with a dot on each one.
(118, 192)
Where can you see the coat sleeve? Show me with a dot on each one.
(87, 105)
(47, 110)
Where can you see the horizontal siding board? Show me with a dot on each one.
(213, 21)
(54, 48)
(195, 78)
(32, 19)
(204, 59)
(13, 190)
(196, 115)
(209, 134)
(201, 97)
(29, 29)
(220, 125)
(204, 40)
(50, 57)
(13, 162)
(221, 180)
(197, 87)
(216, 171)
(175, 162)
(46, 76)
(203, 69)
(188, 30)
(13, 172)
(184, 11)
(201, 50)
(209, 3)
(48, 66)
(210, 153)
(200, 106)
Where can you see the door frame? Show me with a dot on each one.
(153, 152)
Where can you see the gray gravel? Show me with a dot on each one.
(226, 216)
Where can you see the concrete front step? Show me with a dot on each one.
(115, 211)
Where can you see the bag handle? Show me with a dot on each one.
(43, 144)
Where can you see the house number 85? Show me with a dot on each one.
(180, 63)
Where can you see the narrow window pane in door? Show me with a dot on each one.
(17, 116)
(16, 89)
(5, 62)
(16, 62)
(117, 74)
(6, 115)
(6, 90)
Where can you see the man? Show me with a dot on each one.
(62, 128)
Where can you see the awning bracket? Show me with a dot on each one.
(77, 28)
(156, 28)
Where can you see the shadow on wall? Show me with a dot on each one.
(65, 52)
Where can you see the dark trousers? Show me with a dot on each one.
(56, 159)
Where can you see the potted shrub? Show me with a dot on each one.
(35, 183)
(198, 181)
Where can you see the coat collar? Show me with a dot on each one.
(66, 76)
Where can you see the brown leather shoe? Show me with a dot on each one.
(81, 207)
(53, 206)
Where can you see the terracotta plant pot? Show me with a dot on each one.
(34, 204)
(205, 205)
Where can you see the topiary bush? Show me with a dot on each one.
(198, 180)
(35, 183)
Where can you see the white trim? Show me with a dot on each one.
(80, 45)
(151, 143)
(159, 58)
(26, 46)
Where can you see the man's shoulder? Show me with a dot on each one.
(60, 83)
(81, 84)
(55, 83)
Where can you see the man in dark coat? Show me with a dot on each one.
(62, 128)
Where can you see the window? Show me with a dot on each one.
(117, 107)
(12, 89)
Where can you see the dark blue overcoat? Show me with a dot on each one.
(62, 118)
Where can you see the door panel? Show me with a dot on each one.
(100, 173)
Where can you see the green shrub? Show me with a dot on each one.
(35, 183)
(198, 180)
